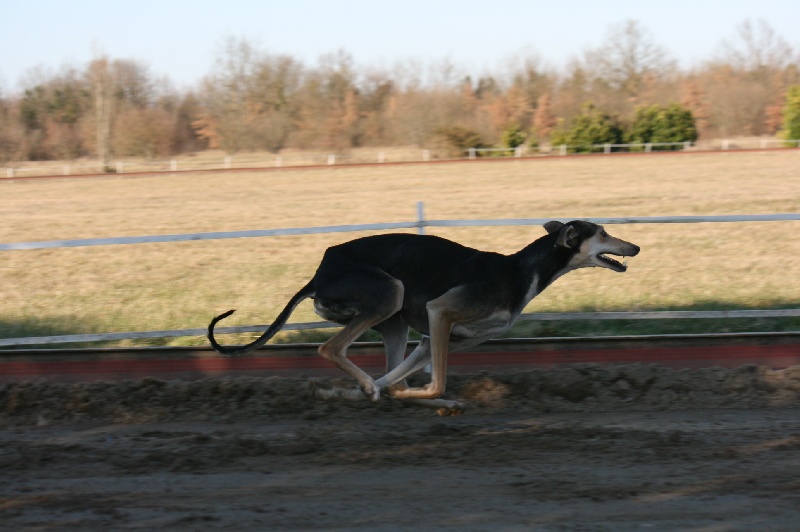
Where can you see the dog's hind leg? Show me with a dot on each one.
(395, 337)
(394, 332)
(363, 299)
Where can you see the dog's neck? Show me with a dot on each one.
(543, 262)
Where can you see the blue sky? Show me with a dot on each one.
(180, 38)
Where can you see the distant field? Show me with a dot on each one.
(216, 159)
(182, 285)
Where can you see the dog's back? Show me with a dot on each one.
(423, 261)
(412, 259)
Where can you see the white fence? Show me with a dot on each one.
(420, 224)
(292, 160)
(539, 316)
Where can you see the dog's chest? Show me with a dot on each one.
(496, 323)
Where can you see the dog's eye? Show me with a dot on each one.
(603, 234)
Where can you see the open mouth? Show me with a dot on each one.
(615, 265)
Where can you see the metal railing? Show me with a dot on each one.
(420, 224)
(538, 316)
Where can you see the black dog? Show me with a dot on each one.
(455, 296)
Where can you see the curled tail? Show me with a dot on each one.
(304, 293)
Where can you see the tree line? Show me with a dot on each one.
(628, 87)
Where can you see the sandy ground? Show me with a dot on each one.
(588, 447)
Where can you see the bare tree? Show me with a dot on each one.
(525, 70)
(248, 99)
(11, 132)
(572, 90)
(101, 77)
(512, 107)
(628, 61)
(695, 99)
(543, 120)
(756, 47)
(747, 78)
(376, 92)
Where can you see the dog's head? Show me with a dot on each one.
(591, 245)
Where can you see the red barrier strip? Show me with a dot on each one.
(774, 356)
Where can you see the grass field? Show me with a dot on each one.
(182, 285)
(216, 159)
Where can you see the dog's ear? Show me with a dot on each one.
(552, 227)
(567, 237)
(566, 234)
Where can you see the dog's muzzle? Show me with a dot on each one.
(630, 250)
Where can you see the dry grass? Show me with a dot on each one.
(181, 285)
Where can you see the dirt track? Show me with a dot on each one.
(583, 448)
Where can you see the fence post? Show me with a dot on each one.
(420, 218)
(426, 155)
(687, 145)
(120, 167)
(381, 157)
(331, 158)
(725, 144)
(227, 162)
(606, 148)
(66, 169)
(518, 151)
(763, 144)
(9, 172)
(173, 165)
(472, 153)
(278, 160)
(563, 149)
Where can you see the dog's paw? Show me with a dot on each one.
(372, 392)
(453, 409)
(327, 391)
(396, 388)
(319, 388)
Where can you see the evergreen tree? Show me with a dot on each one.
(791, 114)
(513, 136)
(656, 124)
(591, 128)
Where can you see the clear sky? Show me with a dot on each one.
(180, 38)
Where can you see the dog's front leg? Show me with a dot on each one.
(440, 323)
(418, 359)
